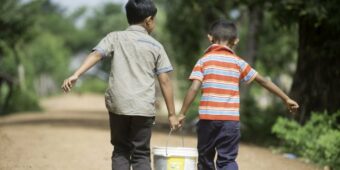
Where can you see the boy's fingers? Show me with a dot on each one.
(64, 86)
(69, 83)
(293, 110)
(67, 87)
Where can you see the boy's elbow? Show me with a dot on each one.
(164, 82)
(195, 86)
(164, 79)
(261, 80)
(264, 82)
(193, 89)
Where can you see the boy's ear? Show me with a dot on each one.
(210, 38)
(148, 20)
(236, 41)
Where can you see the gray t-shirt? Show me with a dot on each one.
(136, 59)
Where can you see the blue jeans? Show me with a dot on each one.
(221, 137)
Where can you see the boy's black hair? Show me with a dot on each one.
(138, 10)
(223, 30)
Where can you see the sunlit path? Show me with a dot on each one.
(77, 138)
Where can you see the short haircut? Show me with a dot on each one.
(138, 10)
(222, 30)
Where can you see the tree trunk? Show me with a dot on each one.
(255, 16)
(317, 79)
(21, 77)
(6, 80)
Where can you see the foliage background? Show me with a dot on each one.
(293, 43)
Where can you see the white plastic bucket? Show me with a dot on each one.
(174, 158)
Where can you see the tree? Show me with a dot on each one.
(16, 30)
(188, 22)
(36, 39)
(317, 78)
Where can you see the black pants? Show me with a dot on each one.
(130, 136)
(221, 137)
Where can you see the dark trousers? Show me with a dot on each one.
(130, 136)
(221, 137)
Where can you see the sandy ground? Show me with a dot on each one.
(72, 134)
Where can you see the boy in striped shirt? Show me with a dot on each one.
(218, 74)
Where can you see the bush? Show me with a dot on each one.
(91, 84)
(21, 101)
(318, 140)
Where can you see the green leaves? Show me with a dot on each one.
(317, 140)
(34, 41)
(289, 11)
(50, 55)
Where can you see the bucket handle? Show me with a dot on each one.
(167, 141)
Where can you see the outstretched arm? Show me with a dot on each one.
(167, 91)
(90, 61)
(291, 104)
(189, 98)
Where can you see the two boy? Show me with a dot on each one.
(130, 98)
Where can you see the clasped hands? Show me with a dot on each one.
(176, 122)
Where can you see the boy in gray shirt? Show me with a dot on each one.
(130, 98)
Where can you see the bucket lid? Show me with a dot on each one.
(175, 151)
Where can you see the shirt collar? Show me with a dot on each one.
(217, 47)
(137, 28)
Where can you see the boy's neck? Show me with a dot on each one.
(142, 25)
(224, 43)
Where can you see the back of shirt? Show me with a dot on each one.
(220, 72)
(136, 59)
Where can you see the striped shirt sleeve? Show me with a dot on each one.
(248, 74)
(197, 72)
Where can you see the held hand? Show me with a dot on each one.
(173, 122)
(181, 120)
(68, 83)
(292, 106)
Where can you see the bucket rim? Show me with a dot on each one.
(174, 151)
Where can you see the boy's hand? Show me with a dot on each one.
(69, 82)
(173, 122)
(181, 120)
(292, 105)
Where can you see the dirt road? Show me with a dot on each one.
(72, 134)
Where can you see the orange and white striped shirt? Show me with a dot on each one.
(221, 72)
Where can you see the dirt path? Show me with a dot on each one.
(73, 134)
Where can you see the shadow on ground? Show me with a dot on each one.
(88, 120)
